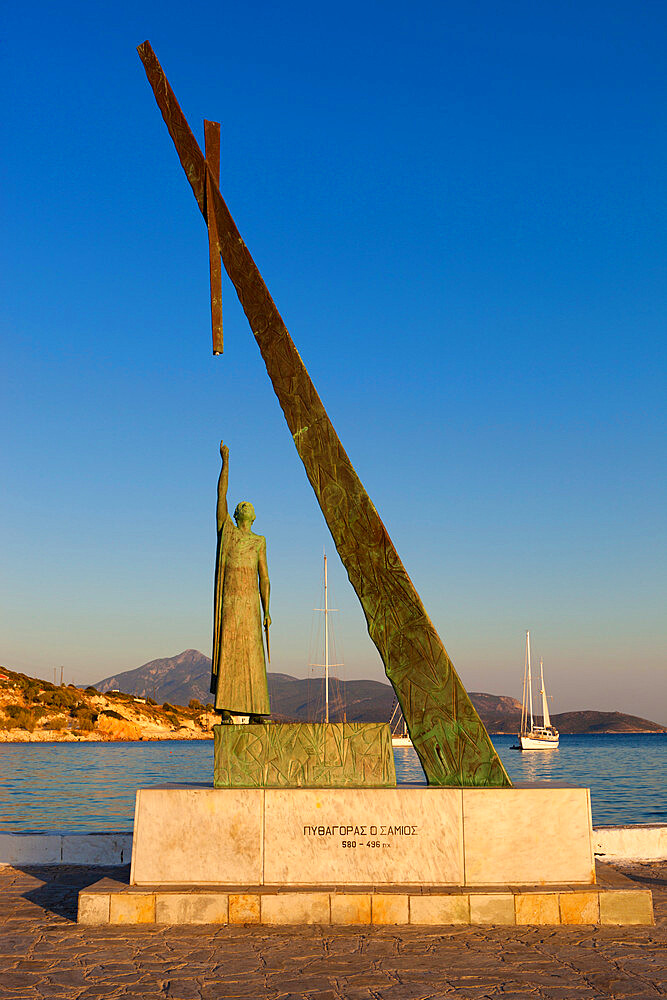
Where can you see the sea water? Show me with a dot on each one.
(85, 787)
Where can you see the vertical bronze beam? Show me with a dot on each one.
(453, 745)
(212, 150)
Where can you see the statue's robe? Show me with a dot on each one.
(239, 667)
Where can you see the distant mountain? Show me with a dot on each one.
(499, 713)
(604, 722)
(175, 679)
(302, 700)
(503, 715)
(178, 679)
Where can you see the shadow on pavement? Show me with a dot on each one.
(59, 892)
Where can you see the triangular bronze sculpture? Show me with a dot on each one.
(452, 743)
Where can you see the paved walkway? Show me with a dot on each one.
(43, 953)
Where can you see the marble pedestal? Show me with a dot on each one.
(350, 837)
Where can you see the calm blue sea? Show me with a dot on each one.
(83, 787)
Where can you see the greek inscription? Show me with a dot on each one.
(404, 830)
(335, 831)
(361, 830)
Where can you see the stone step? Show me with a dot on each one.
(111, 902)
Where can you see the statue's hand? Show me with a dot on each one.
(267, 621)
(224, 451)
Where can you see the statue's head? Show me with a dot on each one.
(244, 512)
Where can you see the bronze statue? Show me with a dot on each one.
(239, 668)
(453, 746)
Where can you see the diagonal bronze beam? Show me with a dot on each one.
(452, 743)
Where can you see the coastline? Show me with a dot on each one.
(186, 733)
(193, 732)
(591, 732)
(36, 711)
(53, 736)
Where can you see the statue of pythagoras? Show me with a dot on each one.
(241, 579)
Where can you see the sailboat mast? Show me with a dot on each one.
(523, 697)
(546, 721)
(326, 642)
(530, 683)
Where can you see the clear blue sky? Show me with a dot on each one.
(460, 212)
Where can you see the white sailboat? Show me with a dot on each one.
(400, 737)
(532, 737)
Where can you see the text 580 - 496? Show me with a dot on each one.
(369, 843)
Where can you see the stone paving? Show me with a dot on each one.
(44, 953)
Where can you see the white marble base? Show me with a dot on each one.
(198, 835)
(646, 842)
(545, 830)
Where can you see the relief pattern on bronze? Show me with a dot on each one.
(304, 755)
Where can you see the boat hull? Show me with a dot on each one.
(401, 741)
(538, 742)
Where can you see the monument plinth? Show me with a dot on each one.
(348, 837)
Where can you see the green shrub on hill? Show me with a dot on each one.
(118, 695)
(85, 717)
(22, 718)
(59, 698)
(111, 714)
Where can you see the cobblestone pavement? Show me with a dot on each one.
(44, 953)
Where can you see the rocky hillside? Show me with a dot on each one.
(499, 713)
(356, 701)
(503, 715)
(177, 679)
(34, 710)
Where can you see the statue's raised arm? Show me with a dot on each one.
(238, 678)
(223, 482)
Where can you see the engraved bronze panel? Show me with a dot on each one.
(304, 755)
